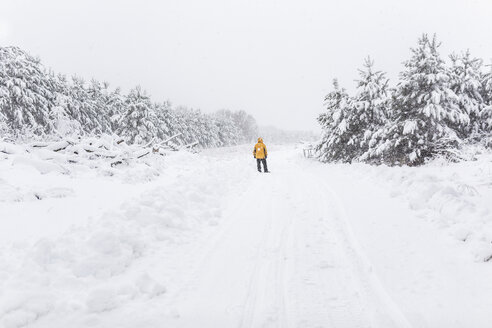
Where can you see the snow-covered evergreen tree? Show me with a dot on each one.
(486, 112)
(138, 123)
(186, 125)
(4, 101)
(166, 120)
(26, 93)
(247, 126)
(210, 131)
(4, 128)
(228, 132)
(115, 108)
(336, 144)
(100, 97)
(370, 110)
(35, 101)
(80, 105)
(351, 125)
(65, 125)
(465, 79)
(201, 129)
(423, 106)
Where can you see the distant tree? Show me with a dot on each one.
(210, 130)
(186, 125)
(246, 124)
(201, 128)
(228, 133)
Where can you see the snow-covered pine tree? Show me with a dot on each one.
(423, 106)
(26, 93)
(370, 110)
(4, 101)
(81, 106)
(185, 124)
(138, 123)
(33, 100)
(486, 112)
(65, 125)
(336, 144)
(166, 120)
(465, 81)
(201, 131)
(115, 104)
(197, 127)
(211, 130)
(246, 125)
(100, 96)
(229, 133)
(4, 128)
(352, 125)
(62, 113)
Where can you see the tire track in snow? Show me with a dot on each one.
(290, 262)
(250, 304)
(379, 306)
(280, 275)
(192, 275)
(265, 305)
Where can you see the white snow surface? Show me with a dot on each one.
(203, 240)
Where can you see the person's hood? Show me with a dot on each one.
(260, 140)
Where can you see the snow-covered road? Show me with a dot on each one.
(213, 243)
(286, 258)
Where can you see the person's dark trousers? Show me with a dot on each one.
(258, 163)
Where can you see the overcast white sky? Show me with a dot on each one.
(273, 58)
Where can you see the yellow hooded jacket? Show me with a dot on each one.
(260, 151)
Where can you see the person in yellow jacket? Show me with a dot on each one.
(260, 153)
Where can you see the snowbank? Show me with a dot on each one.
(114, 255)
(110, 243)
(426, 232)
(454, 197)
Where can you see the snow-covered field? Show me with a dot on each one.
(203, 240)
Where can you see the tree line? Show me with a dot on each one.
(37, 103)
(435, 108)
